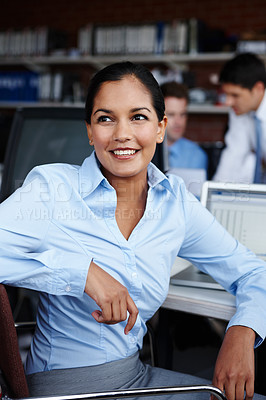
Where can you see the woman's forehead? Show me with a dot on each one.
(126, 89)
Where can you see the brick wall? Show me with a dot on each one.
(206, 127)
(232, 16)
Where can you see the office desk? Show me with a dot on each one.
(206, 302)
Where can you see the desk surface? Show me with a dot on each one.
(206, 302)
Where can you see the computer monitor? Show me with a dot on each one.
(42, 135)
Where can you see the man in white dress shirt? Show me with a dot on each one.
(243, 81)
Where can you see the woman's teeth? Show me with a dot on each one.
(124, 152)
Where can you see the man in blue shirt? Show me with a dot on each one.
(183, 153)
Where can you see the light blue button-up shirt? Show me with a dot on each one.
(64, 216)
(187, 154)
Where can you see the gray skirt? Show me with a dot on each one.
(123, 374)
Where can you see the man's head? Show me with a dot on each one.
(243, 80)
(176, 101)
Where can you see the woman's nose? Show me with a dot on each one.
(122, 132)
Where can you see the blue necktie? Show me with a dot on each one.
(257, 174)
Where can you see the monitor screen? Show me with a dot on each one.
(243, 214)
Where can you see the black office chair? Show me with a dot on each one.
(214, 152)
(42, 135)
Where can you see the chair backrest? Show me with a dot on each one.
(10, 360)
(42, 135)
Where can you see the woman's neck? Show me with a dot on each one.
(133, 188)
(131, 201)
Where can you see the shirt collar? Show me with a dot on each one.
(261, 111)
(156, 178)
(90, 175)
(91, 168)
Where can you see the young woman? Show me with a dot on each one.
(98, 241)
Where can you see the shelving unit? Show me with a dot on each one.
(16, 104)
(169, 60)
(193, 108)
(99, 61)
(42, 64)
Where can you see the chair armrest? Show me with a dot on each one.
(138, 393)
(25, 325)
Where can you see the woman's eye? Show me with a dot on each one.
(104, 118)
(139, 117)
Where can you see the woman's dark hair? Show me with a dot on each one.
(246, 69)
(116, 72)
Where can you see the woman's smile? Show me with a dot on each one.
(124, 154)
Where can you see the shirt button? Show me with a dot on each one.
(134, 275)
(132, 339)
(68, 288)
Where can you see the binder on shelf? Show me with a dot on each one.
(57, 87)
(99, 40)
(60, 87)
(118, 39)
(45, 87)
(31, 42)
(182, 37)
(128, 39)
(85, 36)
(147, 39)
(172, 37)
(193, 36)
(167, 39)
(132, 39)
(253, 46)
(19, 86)
(160, 33)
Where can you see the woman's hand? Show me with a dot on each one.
(234, 369)
(112, 298)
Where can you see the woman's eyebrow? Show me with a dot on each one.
(132, 110)
(139, 109)
(102, 110)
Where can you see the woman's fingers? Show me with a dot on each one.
(111, 296)
(133, 314)
(119, 316)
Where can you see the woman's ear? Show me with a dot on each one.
(161, 129)
(88, 126)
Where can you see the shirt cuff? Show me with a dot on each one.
(71, 274)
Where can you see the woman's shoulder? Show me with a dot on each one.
(181, 189)
(57, 168)
(56, 173)
(176, 182)
(54, 181)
